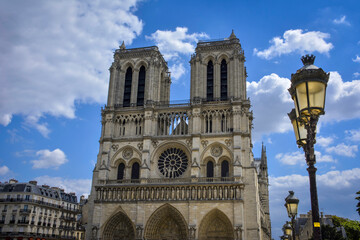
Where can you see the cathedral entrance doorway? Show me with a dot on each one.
(215, 226)
(166, 223)
(119, 227)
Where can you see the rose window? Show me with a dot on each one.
(173, 162)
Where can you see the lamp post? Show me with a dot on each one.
(308, 90)
(291, 204)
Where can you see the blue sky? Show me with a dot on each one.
(54, 63)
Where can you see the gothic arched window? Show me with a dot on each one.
(223, 79)
(210, 169)
(210, 82)
(127, 87)
(141, 87)
(224, 168)
(135, 171)
(121, 169)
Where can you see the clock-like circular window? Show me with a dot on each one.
(173, 162)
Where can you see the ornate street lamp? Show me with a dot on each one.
(291, 204)
(287, 229)
(308, 91)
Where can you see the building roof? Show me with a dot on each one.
(50, 192)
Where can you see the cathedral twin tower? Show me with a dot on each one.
(178, 171)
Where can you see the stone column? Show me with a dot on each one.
(134, 87)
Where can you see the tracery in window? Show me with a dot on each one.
(173, 162)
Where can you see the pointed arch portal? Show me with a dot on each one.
(215, 226)
(119, 227)
(166, 223)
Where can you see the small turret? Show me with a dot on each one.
(123, 47)
(232, 35)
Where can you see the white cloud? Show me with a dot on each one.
(357, 59)
(298, 158)
(4, 170)
(173, 43)
(324, 158)
(341, 20)
(353, 135)
(356, 74)
(340, 179)
(177, 70)
(57, 52)
(294, 158)
(324, 141)
(342, 99)
(79, 186)
(271, 102)
(296, 41)
(49, 159)
(343, 150)
(33, 121)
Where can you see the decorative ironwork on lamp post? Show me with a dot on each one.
(291, 204)
(308, 90)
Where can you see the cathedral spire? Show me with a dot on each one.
(232, 36)
(263, 155)
(122, 47)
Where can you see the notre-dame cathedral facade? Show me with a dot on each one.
(179, 171)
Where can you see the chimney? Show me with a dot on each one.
(33, 182)
(12, 181)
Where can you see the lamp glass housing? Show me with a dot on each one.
(288, 229)
(299, 129)
(310, 98)
(292, 208)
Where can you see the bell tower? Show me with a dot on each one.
(217, 70)
(138, 76)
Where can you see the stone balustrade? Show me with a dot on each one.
(197, 191)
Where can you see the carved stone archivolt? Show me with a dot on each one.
(166, 223)
(216, 225)
(119, 227)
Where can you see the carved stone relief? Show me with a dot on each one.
(216, 151)
(127, 153)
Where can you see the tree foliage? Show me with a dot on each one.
(352, 228)
(331, 233)
(358, 204)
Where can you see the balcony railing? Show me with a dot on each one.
(22, 222)
(25, 211)
(172, 180)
